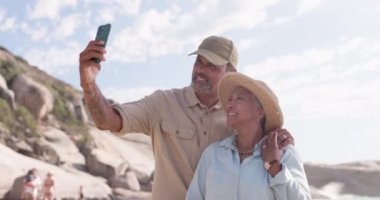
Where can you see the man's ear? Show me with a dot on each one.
(230, 68)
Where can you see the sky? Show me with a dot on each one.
(321, 57)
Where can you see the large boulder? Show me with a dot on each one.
(19, 146)
(135, 149)
(109, 151)
(33, 96)
(6, 94)
(124, 194)
(344, 181)
(127, 181)
(65, 148)
(3, 83)
(43, 151)
(105, 164)
(77, 109)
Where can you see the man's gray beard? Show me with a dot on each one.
(201, 89)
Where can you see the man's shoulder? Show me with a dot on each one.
(173, 93)
(173, 90)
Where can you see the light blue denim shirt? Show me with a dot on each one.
(220, 175)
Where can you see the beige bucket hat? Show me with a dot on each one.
(263, 93)
(218, 50)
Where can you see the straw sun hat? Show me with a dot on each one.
(263, 93)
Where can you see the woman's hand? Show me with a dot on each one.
(270, 150)
(284, 138)
(271, 153)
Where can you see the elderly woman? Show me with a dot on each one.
(249, 165)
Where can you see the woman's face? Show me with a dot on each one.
(242, 108)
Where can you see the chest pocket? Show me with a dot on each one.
(177, 130)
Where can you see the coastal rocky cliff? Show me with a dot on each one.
(44, 125)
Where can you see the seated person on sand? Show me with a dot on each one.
(249, 165)
(31, 185)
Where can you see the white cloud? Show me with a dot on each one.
(59, 30)
(286, 12)
(306, 6)
(157, 33)
(337, 81)
(247, 44)
(55, 60)
(49, 8)
(292, 62)
(374, 132)
(68, 25)
(333, 100)
(58, 27)
(130, 7)
(144, 38)
(2, 13)
(107, 15)
(7, 24)
(281, 21)
(111, 9)
(36, 32)
(123, 95)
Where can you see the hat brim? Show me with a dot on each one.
(210, 56)
(268, 100)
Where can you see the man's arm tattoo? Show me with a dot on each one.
(96, 103)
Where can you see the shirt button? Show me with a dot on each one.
(177, 131)
(204, 133)
(206, 113)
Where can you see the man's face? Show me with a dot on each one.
(206, 76)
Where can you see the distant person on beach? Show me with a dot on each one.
(181, 122)
(251, 164)
(31, 185)
(48, 187)
(81, 193)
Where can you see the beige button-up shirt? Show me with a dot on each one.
(180, 128)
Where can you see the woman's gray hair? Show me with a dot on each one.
(258, 104)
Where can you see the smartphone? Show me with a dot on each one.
(102, 34)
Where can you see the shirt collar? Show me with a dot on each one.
(192, 99)
(229, 144)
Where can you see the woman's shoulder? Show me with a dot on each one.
(291, 153)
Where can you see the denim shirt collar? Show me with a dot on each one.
(229, 143)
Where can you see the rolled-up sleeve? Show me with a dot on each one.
(291, 182)
(137, 116)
